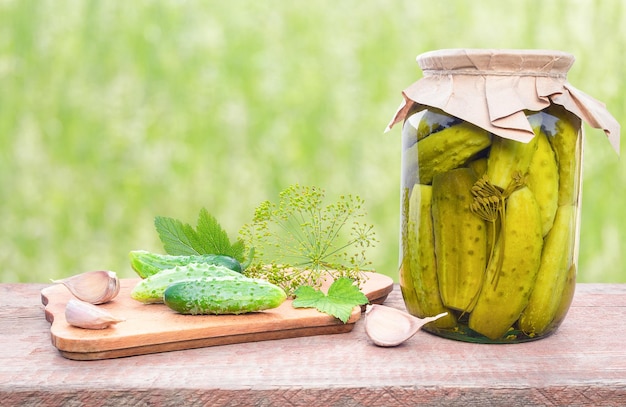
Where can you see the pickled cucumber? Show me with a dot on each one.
(543, 180)
(434, 120)
(460, 239)
(507, 159)
(509, 281)
(566, 145)
(566, 298)
(418, 273)
(556, 261)
(407, 287)
(479, 166)
(448, 149)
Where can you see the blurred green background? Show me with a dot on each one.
(113, 112)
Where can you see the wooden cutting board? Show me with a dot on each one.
(153, 328)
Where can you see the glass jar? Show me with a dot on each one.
(490, 194)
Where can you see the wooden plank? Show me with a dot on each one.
(582, 364)
(155, 328)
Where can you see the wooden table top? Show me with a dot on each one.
(583, 363)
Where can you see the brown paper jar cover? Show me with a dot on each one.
(491, 88)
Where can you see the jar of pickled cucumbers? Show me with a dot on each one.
(491, 190)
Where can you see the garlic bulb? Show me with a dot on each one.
(85, 315)
(95, 287)
(387, 326)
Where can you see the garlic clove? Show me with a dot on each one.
(387, 326)
(95, 287)
(89, 316)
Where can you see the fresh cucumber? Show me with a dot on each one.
(150, 290)
(221, 296)
(146, 263)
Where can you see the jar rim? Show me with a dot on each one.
(471, 61)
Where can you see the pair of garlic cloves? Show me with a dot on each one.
(89, 316)
(388, 327)
(95, 287)
(90, 289)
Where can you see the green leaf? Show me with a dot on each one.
(213, 238)
(178, 238)
(341, 299)
(237, 250)
(208, 238)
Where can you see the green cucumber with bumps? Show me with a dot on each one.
(567, 146)
(460, 239)
(207, 296)
(150, 290)
(543, 180)
(146, 263)
(447, 149)
(552, 277)
(510, 279)
(418, 271)
(509, 158)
